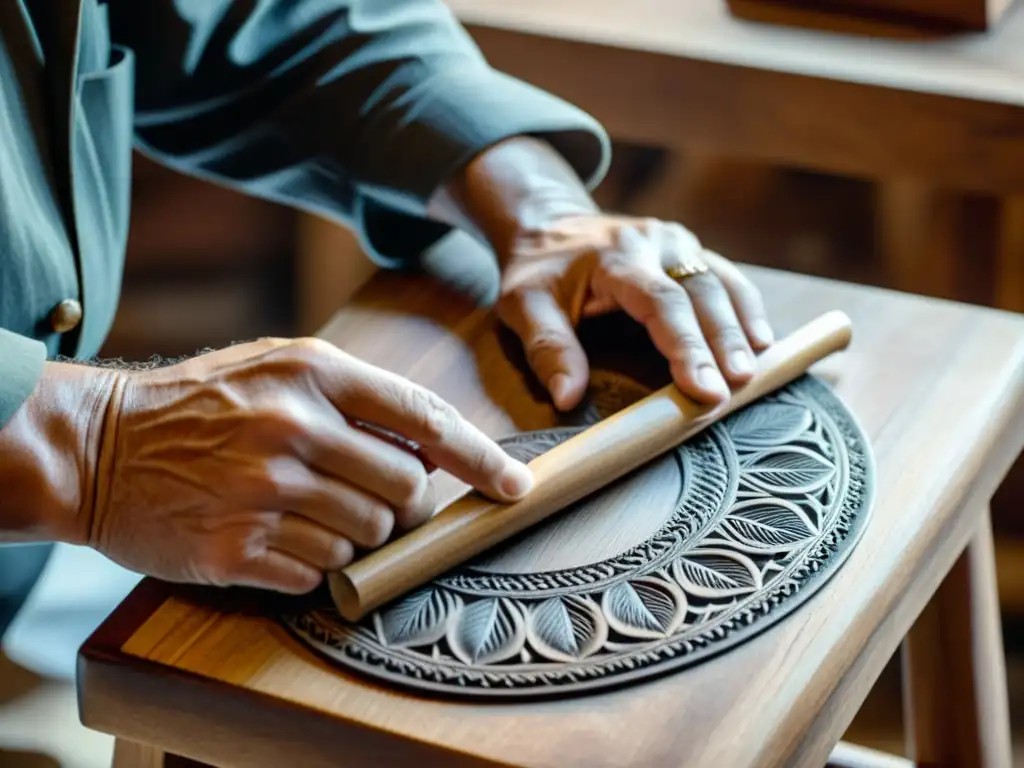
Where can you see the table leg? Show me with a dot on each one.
(955, 697)
(699, 186)
(919, 229)
(1009, 273)
(331, 266)
(129, 754)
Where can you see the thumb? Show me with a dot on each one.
(552, 348)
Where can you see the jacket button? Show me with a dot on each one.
(66, 316)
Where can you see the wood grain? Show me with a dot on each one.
(128, 754)
(572, 470)
(954, 669)
(920, 230)
(1009, 273)
(688, 74)
(938, 387)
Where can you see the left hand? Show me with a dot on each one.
(708, 325)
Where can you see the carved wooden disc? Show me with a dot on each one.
(684, 558)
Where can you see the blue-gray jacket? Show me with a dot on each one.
(354, 109)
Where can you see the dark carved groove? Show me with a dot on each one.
(773, 499)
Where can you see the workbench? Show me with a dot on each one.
(938, 387)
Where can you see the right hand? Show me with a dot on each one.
(247, 466)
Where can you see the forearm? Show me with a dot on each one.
(510, 191)
(47, 452)
(355, 110)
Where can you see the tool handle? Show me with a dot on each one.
(569, 472)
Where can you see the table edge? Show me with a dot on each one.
(484, 21)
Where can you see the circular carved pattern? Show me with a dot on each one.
(772, 500)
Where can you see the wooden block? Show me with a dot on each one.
(884, 17)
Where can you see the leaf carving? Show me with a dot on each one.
(716, 573)
(764, 425)
(644, 608)
(419, 619)
(567, 628)
(766, 525)
(487, 631)
(793, 469)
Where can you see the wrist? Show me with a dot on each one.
(51, 449)
(511, 193)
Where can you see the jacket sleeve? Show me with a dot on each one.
(21, 367)
(357, 110)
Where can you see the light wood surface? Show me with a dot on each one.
(847, 755)
(982, 67)
(938, 387)
(956, 707)
(572, 470)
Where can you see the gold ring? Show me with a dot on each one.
(688, 267)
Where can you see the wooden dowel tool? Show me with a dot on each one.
(569, 472)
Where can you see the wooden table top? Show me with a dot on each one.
(983, 66)
(948, 110)
(938, 387)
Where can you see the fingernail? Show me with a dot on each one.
(711, 380)
(341, 552)
(517, 482)
(763, 331)
(559, 388)
(740, 361)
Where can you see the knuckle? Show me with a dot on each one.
(684, 238)
(664, 290)
(487, 465)
(436, 418)
(706, 286)
(311, 345)
(221, 564)
(270, 481)
(411, 489)
(310, 353)
(728, 336)
(727, 271)
(665, 296)
(279, 424)
(377, 525)
(413, 515)
(689, 347)
(617, 264)
(546, 341)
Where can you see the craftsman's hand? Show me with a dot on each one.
(562, 260)
(267, 463)
(706, 325)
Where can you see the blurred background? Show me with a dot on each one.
(207, 267)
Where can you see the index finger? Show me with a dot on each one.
(444, 437)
